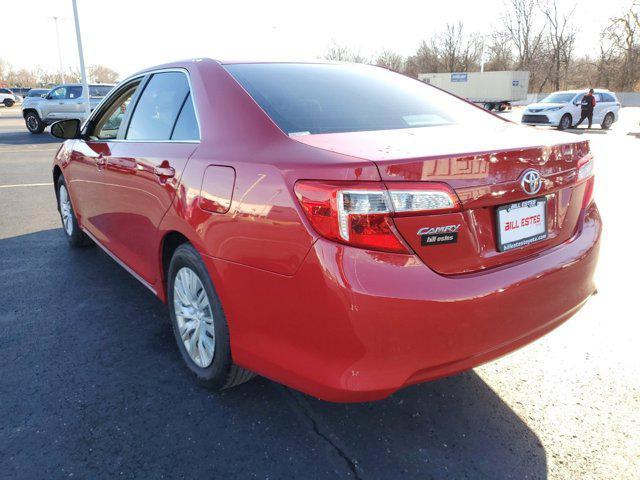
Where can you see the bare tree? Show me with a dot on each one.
(425, 60)
(560, 37)
(499, 53)
(342, 53)
(624, 34)
(524, 33)
(102, 74)
(457, 51)
(391, 60)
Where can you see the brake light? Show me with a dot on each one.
(585, 172)
(359, 214)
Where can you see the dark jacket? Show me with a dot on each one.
(588, 102)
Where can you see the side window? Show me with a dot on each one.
(607, 97)
(59, 93)
(598, 97)
(4, 90)
(186, 126)
(155, 113)
(74, 92)
(108, 124)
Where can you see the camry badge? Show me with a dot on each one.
(531, 182)
(438, 235)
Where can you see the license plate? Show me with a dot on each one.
(521, 223)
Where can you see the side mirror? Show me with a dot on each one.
(66, 129)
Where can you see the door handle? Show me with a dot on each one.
(60, 103)
(164, 170)
(100, 162)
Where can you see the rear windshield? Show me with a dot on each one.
(307, 99)
(558, 98)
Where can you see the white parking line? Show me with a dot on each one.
(27, 185)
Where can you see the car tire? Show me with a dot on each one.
(34, 123)
(199, 324)
(75, 236)
(565, 122)
(502, 107)
(8, 103)
(489, 106)
(607, 121)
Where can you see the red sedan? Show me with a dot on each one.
(341, 229)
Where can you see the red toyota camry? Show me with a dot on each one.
(341, 229)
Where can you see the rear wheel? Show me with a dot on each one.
(607, 122)
(8, 102)
(75, 236)
(565, 122)
(199, 324)
(502, 107)
(34, 123)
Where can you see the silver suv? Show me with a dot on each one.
(61, 103)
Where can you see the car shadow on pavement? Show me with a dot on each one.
(91, 380)
(26, 138)
(582, 131)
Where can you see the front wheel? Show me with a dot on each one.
(607, 122)
(199, 324)
(565, 122)
(75, 236)
(34, 123)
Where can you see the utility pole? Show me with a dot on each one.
(83, 73)
(55, 20)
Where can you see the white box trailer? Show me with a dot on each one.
(492, 89)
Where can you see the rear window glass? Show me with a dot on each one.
(99, 91)
(186, 126)
(324, 98)
(157, 110)
(74, 92)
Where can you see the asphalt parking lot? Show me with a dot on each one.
(91, 385)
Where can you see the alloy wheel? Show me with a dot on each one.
(65, 210)
(194, 317)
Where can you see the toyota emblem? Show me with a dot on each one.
(531, 182)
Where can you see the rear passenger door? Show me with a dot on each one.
(600, 108)
(143, 166)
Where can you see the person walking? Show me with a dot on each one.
(587, 105)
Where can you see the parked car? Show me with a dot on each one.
(342, 229)
(562, 109)
(37, 92)
(61, 102)
(8, 98)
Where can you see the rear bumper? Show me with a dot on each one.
(354, 325)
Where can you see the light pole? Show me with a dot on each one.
(83, 73)
(55, 20)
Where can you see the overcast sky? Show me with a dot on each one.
(133, 34)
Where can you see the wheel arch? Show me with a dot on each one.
(171, 240)
(56, 173)
(26, 111)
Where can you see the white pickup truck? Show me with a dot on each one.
(61, 103)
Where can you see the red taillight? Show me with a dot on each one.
(585, 172)
(359, 214)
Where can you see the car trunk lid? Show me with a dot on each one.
(485, 167)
